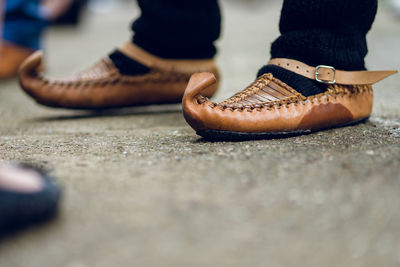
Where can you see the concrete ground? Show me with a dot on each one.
(141, 189)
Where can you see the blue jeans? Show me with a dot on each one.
(23, 23)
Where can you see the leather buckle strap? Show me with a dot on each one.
(317, 73)
(329, 75)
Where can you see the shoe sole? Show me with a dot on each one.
(217, 135)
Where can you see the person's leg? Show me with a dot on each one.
(174, 29)
(294, 93)
(172, 40)
(323, 32)
(178, 28)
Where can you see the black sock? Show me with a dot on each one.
(127, 65)
(322, 32)
(301, 84)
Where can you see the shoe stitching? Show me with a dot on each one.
(334, 92)
(104, 73)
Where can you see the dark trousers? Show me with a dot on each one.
(178, 28)
(330, 32)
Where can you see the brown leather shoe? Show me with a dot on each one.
(11, 57)
(270, 108)
(103, 86)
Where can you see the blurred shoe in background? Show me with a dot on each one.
(27, 196)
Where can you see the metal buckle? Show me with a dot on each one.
(325, 81)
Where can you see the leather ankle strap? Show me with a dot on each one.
(140, 55)
(329, 75)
